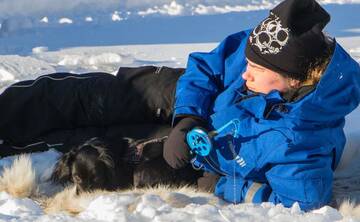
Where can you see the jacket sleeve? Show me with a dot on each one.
(205, 76)
(307, 181)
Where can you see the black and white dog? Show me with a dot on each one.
(102, 163)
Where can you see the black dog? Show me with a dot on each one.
(126, 163)
(93, 166)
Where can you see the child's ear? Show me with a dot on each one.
(294, 83)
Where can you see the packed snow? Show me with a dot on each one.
(141, 7)
(65, 21)
(78, 36)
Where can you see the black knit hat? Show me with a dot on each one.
(290, 39)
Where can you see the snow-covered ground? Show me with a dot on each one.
(40, 36)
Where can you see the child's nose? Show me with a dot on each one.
(247, 76)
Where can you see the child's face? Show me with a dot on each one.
(263, 80)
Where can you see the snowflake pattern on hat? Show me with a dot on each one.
(270, 37)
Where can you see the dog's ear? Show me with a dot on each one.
(102, 148)
(62, 170)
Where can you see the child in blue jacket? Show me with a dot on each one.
(290, 86)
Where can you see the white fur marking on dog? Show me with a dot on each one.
(19, 180)
(350, 210)
(68, 201)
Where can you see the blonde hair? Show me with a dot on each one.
(317, 69)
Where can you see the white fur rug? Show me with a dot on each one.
(25, 189)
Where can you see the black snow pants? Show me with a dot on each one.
(59, 106)
(63, 110)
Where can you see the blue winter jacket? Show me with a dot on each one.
(287, 151)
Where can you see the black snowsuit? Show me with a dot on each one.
(64, 108)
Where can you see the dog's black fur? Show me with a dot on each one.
(101, 163)
(93, 165)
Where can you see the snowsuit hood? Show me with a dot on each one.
(335, 96)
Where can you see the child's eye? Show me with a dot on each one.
(256, 68)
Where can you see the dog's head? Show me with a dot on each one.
(91, 166)
(121, 164)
